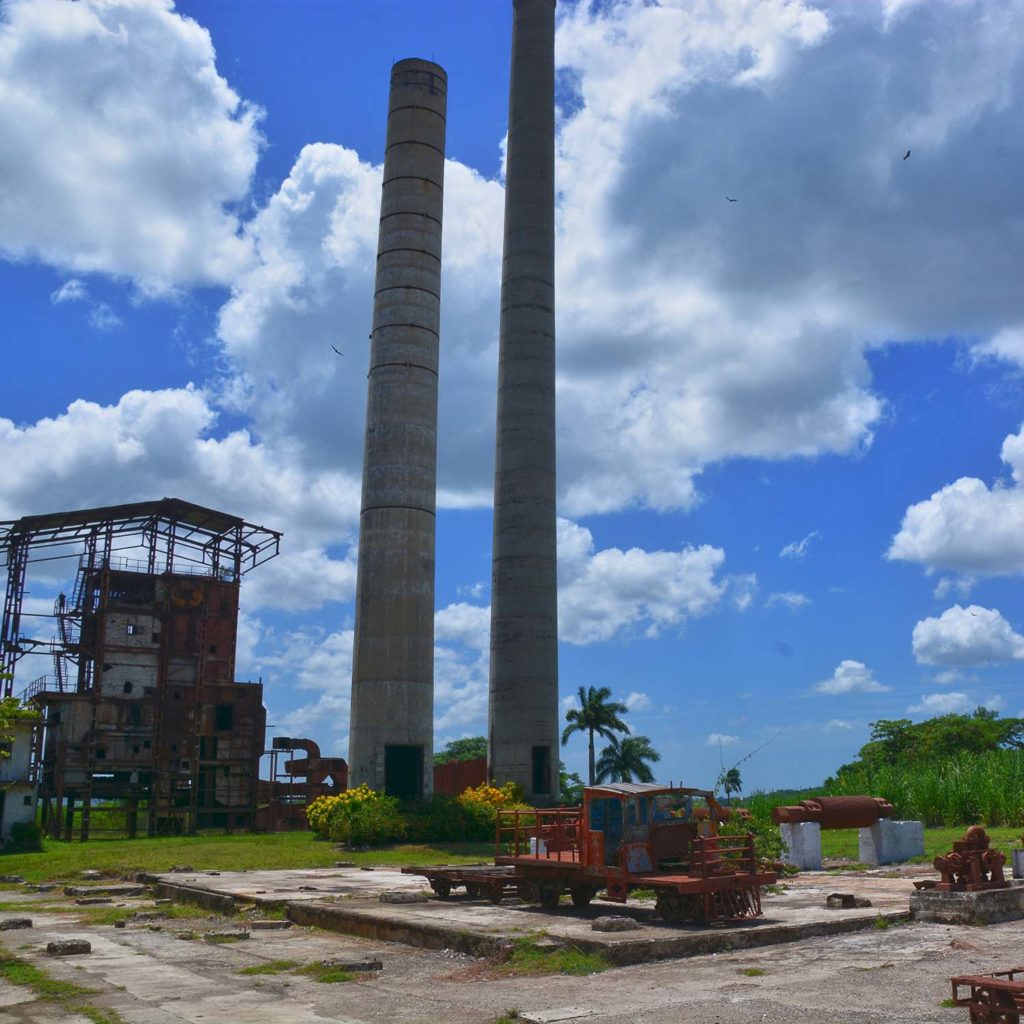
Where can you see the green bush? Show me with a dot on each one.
(357, 817)
(443, 819)
(25, 837)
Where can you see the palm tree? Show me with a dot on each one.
(596, 714)
(626, 761)
(730, 781)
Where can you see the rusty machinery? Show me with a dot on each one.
(971, 866)
(995, 998)
(831, 812)
(142, 716)
(296, 782)
(626, 836)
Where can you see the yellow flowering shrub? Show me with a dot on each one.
(357, 817)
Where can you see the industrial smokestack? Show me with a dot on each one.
(391, 735)
(523, 726)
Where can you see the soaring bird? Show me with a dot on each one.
(906, 156)
(336, 350)
(731, 200)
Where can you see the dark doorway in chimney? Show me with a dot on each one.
(403, 771)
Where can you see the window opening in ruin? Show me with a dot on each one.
(101, 753)
(542, 770)
(127, 686)
(403, 771)
(224, 717)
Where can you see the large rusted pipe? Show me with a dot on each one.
(835, 811)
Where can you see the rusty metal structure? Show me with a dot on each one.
(626, 836)
(832, 812)
(971, 866)
(295, 782)
(142, 716)
(995, 998)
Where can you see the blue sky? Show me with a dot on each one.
(791, 452)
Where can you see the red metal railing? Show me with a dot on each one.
(539, 833)
(717, 855)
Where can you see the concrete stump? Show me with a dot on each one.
(68, 947)
(801, 845)
(15, 922)
(891, 842)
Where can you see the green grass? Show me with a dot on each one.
(326, 974)
(947, 1003)
(273, 967)
(110, 915)
(19, 972)
(842, 843)
(508, 1017)
(526, 958)
(98, 1016)
(754, 972)
(123, 857)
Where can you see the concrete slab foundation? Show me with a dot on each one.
(891, 842)
(801, 845)
(348, 901)
(987, 907)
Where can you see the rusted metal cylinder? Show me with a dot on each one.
(835, 811)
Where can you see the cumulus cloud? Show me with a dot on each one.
(966, 636)
(787, 599)
(969, 527)
(798, 548)
(952, 704)
(851, 677)
(720, 738)
(637, 701)
(124, 148)
(155, 443)
(608, 592)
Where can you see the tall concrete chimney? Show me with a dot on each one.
(523, 725)
(391, 735)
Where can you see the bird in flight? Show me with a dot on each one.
(336, 350)
(906, 156)
(731, 200)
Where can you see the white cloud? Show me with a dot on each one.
(71, 290)
(788, 599)
(838, 725)
(742, 589)
(953, 676)
(609, 592)
(123, 146)
(156, 443)
(851, 677)
(103, 318)
(966, 636)
(637, 701)
(968, 527)
(720, 738)
(798, 548)
(944, 704)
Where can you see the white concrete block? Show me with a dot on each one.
(1018, 861)
(891, 842)
(801, 845)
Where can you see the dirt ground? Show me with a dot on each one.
(162, 971)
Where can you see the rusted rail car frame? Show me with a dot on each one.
(994, 998)
(544, 853)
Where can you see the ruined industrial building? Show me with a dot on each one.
(141, 712)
